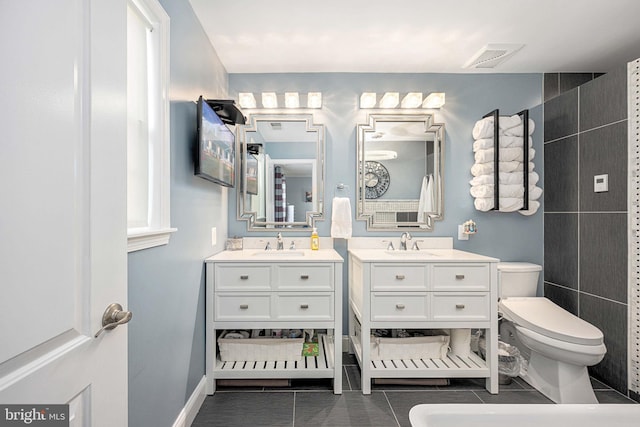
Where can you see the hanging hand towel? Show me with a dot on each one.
(425, 203)
(341, 218)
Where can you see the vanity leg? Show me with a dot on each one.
(491, 336)
(365, 367)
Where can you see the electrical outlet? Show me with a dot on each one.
(214, 236)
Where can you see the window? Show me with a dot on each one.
(148, 167)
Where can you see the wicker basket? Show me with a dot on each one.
(260, 349)
(429, 347)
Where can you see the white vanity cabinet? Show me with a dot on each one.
(435, 289)
(275, 290)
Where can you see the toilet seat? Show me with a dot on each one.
(546, 318)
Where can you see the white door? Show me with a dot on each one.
(62, 206)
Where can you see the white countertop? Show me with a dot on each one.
(423, 255)
(286, 255)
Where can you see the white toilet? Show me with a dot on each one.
(559, 345)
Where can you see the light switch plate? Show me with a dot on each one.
(461, 234)
(601, 183)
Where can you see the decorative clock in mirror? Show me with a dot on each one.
(376, 179)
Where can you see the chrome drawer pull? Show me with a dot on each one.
(460, 306)
(304, 306)
(244, 306)
(459, 276)
(400, 276)
(304, 276)
(244, 277)
(400, 306)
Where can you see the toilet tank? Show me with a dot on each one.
(518, 279)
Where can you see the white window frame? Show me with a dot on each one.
(158, 231)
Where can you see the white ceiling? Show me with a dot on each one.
(285, 36)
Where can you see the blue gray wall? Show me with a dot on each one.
(508, 236)
(166, 284)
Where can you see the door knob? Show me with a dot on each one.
(113, 317)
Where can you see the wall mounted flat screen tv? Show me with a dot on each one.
(216, 154)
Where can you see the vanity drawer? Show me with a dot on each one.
(398, 277)
(297, 306)
(452, 306)
(387, 306)
(305, 277)
(250, 277)
(461, 277)
(239, 306)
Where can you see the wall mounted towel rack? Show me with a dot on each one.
(524, 116)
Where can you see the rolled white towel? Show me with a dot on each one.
(488, 168)
(505, 178)
(519, 130)
(506, 155)
(505, 142)
(507, 204)
(533, 208)
(508, 191)
(534, 193)
(507, 125)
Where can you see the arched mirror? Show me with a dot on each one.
(281, 172)
(400, 172)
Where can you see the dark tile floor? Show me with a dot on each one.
(309, 403)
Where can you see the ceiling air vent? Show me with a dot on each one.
(492, 55)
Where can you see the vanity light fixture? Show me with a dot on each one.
(246, 100)
(368, 99)
(409, 100)
(269, 100)
(434, 100)
(314, 100)
(412, 100)
(390, 100)
(291, 100)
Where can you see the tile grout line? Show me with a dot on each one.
(579, 207)
(293, 419)
(478, 396)
(391, 407)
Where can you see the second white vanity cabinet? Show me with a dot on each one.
(439, 288)
(256, 289)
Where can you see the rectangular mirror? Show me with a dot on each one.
(281, 172)
(400, 171)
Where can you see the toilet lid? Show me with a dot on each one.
(544, 317)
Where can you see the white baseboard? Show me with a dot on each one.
(191, 408)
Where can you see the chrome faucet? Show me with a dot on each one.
(292, 246)
(403, 240)
(280, 242)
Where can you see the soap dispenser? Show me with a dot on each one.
(315, 240)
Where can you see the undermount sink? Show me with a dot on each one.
(276, 253)
(410, 253)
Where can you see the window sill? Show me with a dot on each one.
(144, 239)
